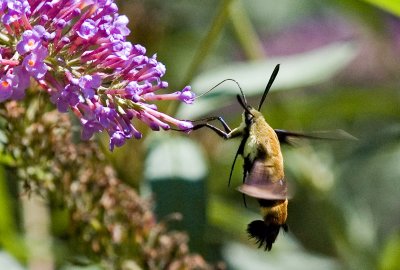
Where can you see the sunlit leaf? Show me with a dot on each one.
(392, 6)
(174, 158)
(390, 258)
(288, 256)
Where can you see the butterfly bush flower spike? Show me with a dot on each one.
(78, 53)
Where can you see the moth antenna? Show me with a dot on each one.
(270, 82)
(243, 104)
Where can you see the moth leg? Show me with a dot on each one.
(219, 132)
(238, 152)
(244, 200)
(219, 118)
(226, 133)
(224, 124)
(246, 169)
(244, 178)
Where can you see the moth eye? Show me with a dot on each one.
(249, 118)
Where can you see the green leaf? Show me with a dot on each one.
(9, 238)
(301, 70)
(229, 217)
(390, 257)
(392, 6)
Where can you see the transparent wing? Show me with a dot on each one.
(259, 184)
(287, 137)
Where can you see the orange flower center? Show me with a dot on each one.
(5, 84)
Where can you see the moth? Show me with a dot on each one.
(263, 170)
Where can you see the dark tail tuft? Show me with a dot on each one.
(263, 233)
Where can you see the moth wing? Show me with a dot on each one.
(263, 192)
(260, 184)
(288, 137)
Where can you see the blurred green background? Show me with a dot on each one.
(340, 66)
(339, 70)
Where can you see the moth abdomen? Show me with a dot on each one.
(265, 234)
(266, 231)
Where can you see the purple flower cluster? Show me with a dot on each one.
(77, 52)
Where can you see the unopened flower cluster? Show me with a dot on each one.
(109, 223)
(78, 53)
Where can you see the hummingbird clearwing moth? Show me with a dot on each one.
(263, 171)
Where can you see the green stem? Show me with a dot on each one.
(210, 39)
(245, 32)
(10, 240)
